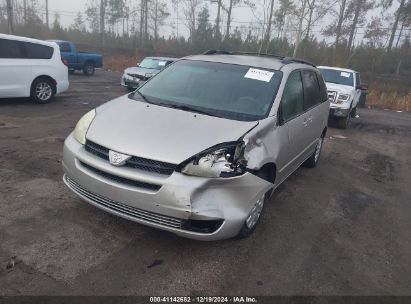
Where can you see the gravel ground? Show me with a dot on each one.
(343, 228)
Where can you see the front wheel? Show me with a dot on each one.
(343, 122)
(89, 69)
(253, 217)
(354, 112)
(42, 91)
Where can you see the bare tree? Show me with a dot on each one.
(301, 12)
(396, 21)
(190, 11)
(10, 16)
(47, 13)
(158, 15)
(270, 21)
(341, 16)
(358, 8)
(24, 12)
(103, 6)
(218, 18)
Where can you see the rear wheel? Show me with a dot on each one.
(89, 69)
(42, 90)
(315, 158)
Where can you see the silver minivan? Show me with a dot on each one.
(199, 148)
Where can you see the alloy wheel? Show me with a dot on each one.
(255, 213)
(44, 91)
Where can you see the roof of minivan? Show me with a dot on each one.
(337, 69)
(264, 62)
(26, 39)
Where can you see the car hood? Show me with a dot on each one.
(159, 133)
(141, 71)
(340, 88)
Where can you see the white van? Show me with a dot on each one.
(31, 68)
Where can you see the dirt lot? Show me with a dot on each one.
(343, 228)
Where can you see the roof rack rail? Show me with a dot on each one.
(287, 60)
(284, 60)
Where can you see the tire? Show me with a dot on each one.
(131, 89)
(89, 69)
(250, 225)
(354, 112)
(71, 72)
(42, 90)
(343, 122)
(315, 158)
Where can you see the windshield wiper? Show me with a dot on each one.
(143, 96)
(187, 108)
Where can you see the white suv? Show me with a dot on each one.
(344, 92)
(31, 68)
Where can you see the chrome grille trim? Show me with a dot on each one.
(136, 213)
(135, 162)
(332, 96)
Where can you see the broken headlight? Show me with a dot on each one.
(224, 160)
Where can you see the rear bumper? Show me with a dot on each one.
(179, 199)
(62, 86)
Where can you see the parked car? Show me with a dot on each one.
(344, 91)
(31, 68)
(149, 67)
(200, 147)
(79, 61)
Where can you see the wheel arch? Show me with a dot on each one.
(268, 172)
(54, 82)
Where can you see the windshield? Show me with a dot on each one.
(337, 76)
(217, 89)
(155, 64)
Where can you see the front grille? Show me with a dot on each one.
(134, 162)
(126, 209)
(122, 180)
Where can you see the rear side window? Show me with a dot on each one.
(11, 49)
(293, 97)
(311, 89)
(357, 79)
(38, 51)
(65, 47)
(323, 88)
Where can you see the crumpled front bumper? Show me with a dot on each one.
(130, 82)
(179, 197)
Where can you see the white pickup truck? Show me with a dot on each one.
(344, 91)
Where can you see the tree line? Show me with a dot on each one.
(371, 36)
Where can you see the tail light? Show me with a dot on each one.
(64, 61)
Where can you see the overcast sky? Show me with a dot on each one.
(242, 16)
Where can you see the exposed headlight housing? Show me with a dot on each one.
(343, 98)
(224, 160)
(82, 126)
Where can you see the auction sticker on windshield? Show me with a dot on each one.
(345, 74)
(261, 75)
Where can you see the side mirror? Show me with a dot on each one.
(363, 87)
(138, 64)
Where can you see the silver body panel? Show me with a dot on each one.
(173, 136)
